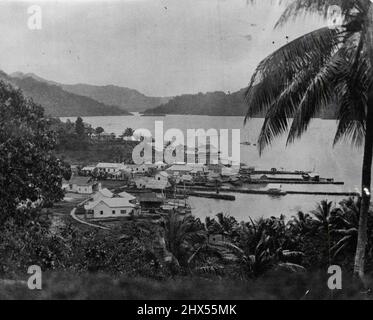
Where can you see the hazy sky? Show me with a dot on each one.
(159, 47)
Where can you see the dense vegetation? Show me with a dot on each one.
(30, 175)
(76, 145)
(267, 251)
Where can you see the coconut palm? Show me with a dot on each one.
(224, 224)
(345, 224)
(322, 214)
(182, 236)
(331, 65)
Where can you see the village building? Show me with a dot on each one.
(111, 208)
(110, 167)
(103, 137)
(141, 168)
(198, 170)
(151, 183)
(216, 168)
(179, 169)
(82, 185)
(162, 175)
(88, 170)
(150, 201)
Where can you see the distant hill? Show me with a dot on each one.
(58, 102)
(215, 104)
(211, 103)
(125, 98)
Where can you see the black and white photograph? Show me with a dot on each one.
(214, 151)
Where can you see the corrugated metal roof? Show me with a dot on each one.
(110, 202)
(80, 181)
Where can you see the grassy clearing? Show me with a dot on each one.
(275, 285)
(65, 206)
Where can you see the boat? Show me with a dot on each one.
(235, 181)
(181, 206)
(275, 190)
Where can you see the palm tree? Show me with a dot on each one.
(328, 65)
(225, 225)
(345, 225)
(182, 236)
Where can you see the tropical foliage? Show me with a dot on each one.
(29, 172)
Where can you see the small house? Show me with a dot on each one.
(103, 137)
(151, 183)
(82, 185)
(110, 167)
(111, 208)
(150, 200)
(179, 169)
(161, 176)
(88, 169)
(216, 168)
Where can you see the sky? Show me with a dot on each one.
(159, 47)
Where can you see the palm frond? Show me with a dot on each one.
(319, 93)
(354, 84)
(279, 69)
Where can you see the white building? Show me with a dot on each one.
(82, 185)
(151, 183)
(111, 208)
(179, 169)
(110, 167)
(161, 176)
(88, 169)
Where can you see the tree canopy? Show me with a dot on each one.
(29, 172)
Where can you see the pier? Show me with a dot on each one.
(290, 181)
(272, 193)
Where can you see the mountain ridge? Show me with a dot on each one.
(130, 100)
(58, 102)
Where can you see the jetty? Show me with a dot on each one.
(290, 181)
(272, 192)
(273, 171)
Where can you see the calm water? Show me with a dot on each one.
(313, 151)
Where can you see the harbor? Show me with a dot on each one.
(123, 192)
